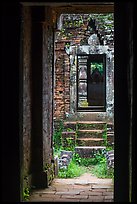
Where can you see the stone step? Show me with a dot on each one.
(88, 116)
(88, 151)
(74, 125)
(84, 122)
(68, 133)
(85, 139)
(68, 138)
(70, 125)
(84, 133)
(110, 133)
(90, 141)
(90, 133)
(92, 126)
(91, 122)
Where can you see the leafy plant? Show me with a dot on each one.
(101, 170)
(96, 165)
(57, 136)
(95, 65)
(105, 138)
(78, 165)
(70, 144)
(73, 170)
(26, 193)
(84, 103)
(97, 158)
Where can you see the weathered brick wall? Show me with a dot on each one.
(62, 81)
(72, 38)
(26, 93)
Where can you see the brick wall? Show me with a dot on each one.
(72, 39)
(62, 81)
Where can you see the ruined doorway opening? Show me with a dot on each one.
(63, 48)
(91, 82)
(82, 100)
(83, 42)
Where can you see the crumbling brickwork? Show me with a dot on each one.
(62, 81)
(73, 38)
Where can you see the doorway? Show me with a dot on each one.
(90, 66)
(123, 99)
(91, 78)
(82, 69)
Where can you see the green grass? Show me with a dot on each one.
(96, 166)
(73, 170)
(26, 194)
(101, 171)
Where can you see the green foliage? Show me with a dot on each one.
(26, 188)
(73, 170)
(108, 148)
(95, 65)
(58, 141)
(70, 144)
(105, 20)
(96, 165)
(71, 23)
(84, 103)
(76, 21)
(105, 138)
(57, 137)
(26, 193)
(69, 129)
(97, 158)
(101, 171)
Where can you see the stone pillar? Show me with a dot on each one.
(39, 177)
(47, 95)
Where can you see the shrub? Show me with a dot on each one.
(73, 170)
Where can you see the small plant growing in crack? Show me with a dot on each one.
(26, 193)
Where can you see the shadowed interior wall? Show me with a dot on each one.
(27, 101)
(37, 95)
(47, 94)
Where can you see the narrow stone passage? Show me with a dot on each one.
(86, 188)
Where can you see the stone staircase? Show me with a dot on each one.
(87, 137)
